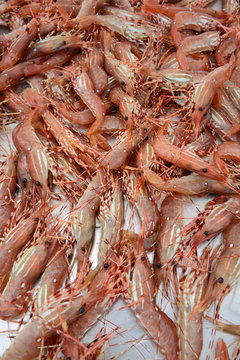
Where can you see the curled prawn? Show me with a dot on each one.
(207, 41)
(227, 150)
(84, 88)
(189, 20)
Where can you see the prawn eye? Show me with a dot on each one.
(143, 258)
(204, 170)
(159, 265)
(83, 249)
(122, 83)
(126, 118)
(106, 265)
(24, 180)
(47, 243)
(200, 108)
(82, 310)
(37, 183)
(36, 219)
(220, 280)
(206, 233)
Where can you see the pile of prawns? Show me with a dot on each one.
(106, 103)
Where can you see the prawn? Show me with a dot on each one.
(12, 76)
(141, 291)
(37, 159)
(124, 145)
(53, 44)
(84, 88)
(191, 291)
(207, 41)
(144, 204)
(53, 276)
(17, 48)
(97, 73)
(120, 70)
(169, 238)
(183, 158)
(84, 216)
(189, 20)
(192, 184)
(204, 92)
(71, 145)
(111, 218)
(8, 177)
(226, 268)
(219, 218)
(26, 271)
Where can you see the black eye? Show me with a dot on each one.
(206, 233)
(204, 170)
(82, 310)
(106, 265)
(122, 83)
(200, 108)
(37, 183)
(24, 180)
(126, 118)
(159, 265)
(83, 249)
(143, 258)
(47, 243)
(36, 219)
(220, 280)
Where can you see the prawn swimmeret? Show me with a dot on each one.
(116, 118)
